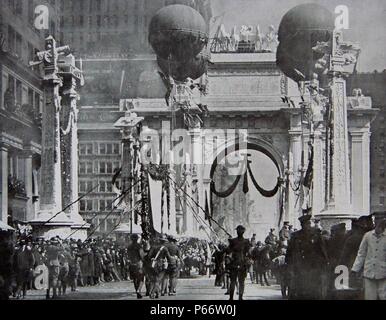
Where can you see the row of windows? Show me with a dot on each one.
(95, 205)
(98, 21)
(104, 186)
(102, 149)
(96, 5)
(102, 225)
(15, 90)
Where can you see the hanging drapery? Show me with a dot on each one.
(228, 192)
(263, 192)
(160, 173)
(308, 177)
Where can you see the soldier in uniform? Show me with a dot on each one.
(306, 259)
(239, 249)
(271, 239)
(174, 263)
(53, 265)
(136, 255)
(156, 260)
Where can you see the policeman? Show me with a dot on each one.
(136, 255)
(306, 259)
(239, 250)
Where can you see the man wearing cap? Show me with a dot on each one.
(136, 255)
(239, 250)
(307, 259)
(371, 258)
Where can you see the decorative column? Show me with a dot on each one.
(339, 209)
(190, 224)
(294, 169)
(4, 183)
(360, 175)
(197, 176)
(72, 77)
(318, 203)
(28, 182)
(50, 220)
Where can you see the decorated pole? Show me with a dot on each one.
(128, 125)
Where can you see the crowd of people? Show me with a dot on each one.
(70, 263)
(304, 262)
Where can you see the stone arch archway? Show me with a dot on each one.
(277, 167)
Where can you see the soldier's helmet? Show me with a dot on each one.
(240, 228)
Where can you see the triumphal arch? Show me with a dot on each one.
(252, 159)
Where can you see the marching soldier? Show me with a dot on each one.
(53, 265)
(174, 262)
(306, 259)
(157, 260)
(239, 250)
(136, 255)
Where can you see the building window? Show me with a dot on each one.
(102, 205)
(109, 167)
(102, 148)
(98, 20)
(102, 167)
(85, 205)
(109, 148)
(102, 186)
(85, 149)
(116, 148)
(85, 186)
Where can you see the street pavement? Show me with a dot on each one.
(195, 288)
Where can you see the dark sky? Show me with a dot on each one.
(367, 22)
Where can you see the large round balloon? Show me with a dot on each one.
(300, 30)
(193, 68)
(178, 32)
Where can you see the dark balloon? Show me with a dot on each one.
(178, 32)
(306, 17)
(300, 30)
(193, 68)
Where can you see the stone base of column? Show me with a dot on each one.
(58, 226)
(330, 218)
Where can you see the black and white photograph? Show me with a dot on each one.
(192, 150)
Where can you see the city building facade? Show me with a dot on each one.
(21, 101)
